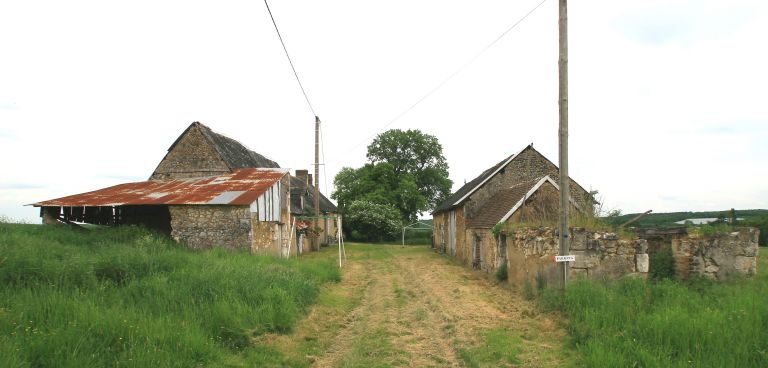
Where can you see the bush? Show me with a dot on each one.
(368, 221)
(501, 273)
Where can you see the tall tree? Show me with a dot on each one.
(406, 170)
(380, 184)
(418, 154)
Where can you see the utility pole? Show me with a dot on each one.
(316, 241)
(564, 178)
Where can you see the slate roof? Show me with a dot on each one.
(500, 204)
(450, 202)
(234, 153)
(241, 187)
(299, 188)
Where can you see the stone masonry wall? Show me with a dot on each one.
(207, 226)
(531, 251)
(717, 257)
(193, 156)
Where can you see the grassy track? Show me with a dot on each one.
(126, 297)
(632, 323)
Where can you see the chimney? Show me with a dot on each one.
(302, 174)
(309, 180)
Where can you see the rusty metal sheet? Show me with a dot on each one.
(240, 187)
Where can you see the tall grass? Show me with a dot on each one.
(128, 297)
(634, 323)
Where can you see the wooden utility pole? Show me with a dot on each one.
(564, 178)
(316, 241)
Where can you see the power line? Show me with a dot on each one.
(446, 80)
(289, 59)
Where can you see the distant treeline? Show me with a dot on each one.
(755, 218)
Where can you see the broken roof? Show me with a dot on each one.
(241, 187)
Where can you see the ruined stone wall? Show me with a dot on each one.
(529, 165)
(716, 257)
(530, 252)
(193, 156)
(207, 226)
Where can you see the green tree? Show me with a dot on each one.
(368, 221)
(417, 154)
(406, 170)
(380, 184)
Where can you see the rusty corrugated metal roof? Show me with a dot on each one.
(241, 187)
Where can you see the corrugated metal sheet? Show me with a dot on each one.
(240, 187)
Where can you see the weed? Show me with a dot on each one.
(528, 292)
(501, 273)
(662, 264)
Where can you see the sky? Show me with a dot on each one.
(667, 97)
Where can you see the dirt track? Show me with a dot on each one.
(411, 307)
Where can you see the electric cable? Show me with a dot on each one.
(455, 73)
(289, 59)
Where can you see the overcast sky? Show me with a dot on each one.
(667, 97)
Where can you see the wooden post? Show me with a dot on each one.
(563, 133)
(316, 241)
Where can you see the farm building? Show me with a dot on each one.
(208, 190)
(522, 187)
(244, 209)
(199, 151)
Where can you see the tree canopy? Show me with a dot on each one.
(406, 170)
(418, 154)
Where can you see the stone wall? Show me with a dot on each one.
(207, 226)
(717, 257)
(193, 156)
(531, 251)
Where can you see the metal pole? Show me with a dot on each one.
(563, 102)
(316, 241)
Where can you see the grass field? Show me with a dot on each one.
(128, 298)
(633, 323)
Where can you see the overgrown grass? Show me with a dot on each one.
(128, 297)
(634, 323)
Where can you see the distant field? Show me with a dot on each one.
(128, 298)
(633, 323)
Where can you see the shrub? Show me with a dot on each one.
(501, 273)
(371, 221)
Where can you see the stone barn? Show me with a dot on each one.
(200, 158)
(523, 187)
(243, 209)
